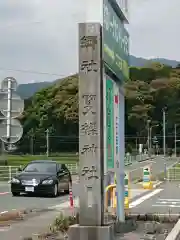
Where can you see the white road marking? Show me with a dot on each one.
(169, 199)
(164, 202)
(3, 212)
(131, 205)
(144, 198)
(174, 232)
(166, 205)
(167, 202)
(5, 228)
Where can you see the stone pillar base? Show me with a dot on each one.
(77, 232)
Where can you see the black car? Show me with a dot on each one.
(42, 177)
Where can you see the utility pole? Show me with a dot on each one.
(150, 139)
(164, 132)
(175, 149)
(47, 142)
(148, 123)
(9, 109)
(32, 145)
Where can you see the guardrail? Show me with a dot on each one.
(130, 159)
(7, 172)
(173, 174)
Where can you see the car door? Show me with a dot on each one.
(66, 176)
(61, 177)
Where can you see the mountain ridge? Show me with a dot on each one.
(29, 89)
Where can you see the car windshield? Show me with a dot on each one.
(41, 167)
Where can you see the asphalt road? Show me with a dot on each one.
(167, 200)
(158, 165)
(7, 202)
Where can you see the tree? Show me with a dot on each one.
(149, 89)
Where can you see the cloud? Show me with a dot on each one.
(153, 29)
(41, 35)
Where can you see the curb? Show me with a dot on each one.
(150, 158)
(143, 160)
(175, 232)
(11, 216)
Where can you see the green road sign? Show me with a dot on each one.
(146, 173)
(110, 123)
(146, 170)
(115, 43)
(126, 182)
(155, 140)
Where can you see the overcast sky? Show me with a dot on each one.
(36, 35)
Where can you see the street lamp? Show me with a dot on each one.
(150, 135)
(148, 129)
(47, 143)
(164, 130)
(175, 140)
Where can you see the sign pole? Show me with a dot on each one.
(120, 170)
(116, 59)
(9, 110)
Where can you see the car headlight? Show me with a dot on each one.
(15, 180)
(48, 181)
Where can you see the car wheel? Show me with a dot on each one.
(55, 191)
(15, 194)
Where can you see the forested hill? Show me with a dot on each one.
(148, 91)
(27, 90)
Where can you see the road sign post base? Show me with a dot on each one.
(77, 232)
(148, 185)
(126, 203)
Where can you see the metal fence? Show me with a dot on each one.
(173, 174)
(55, 144)
(130, 159)
(7, 172)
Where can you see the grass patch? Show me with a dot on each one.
(17, 160)
(177, 165)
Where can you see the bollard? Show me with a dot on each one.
(71, 199)
(126, 191)
(108, 189)
(113, 195)
(147, 176)
(165, 171)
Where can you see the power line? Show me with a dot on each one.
(31, 71)
(18, 24)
